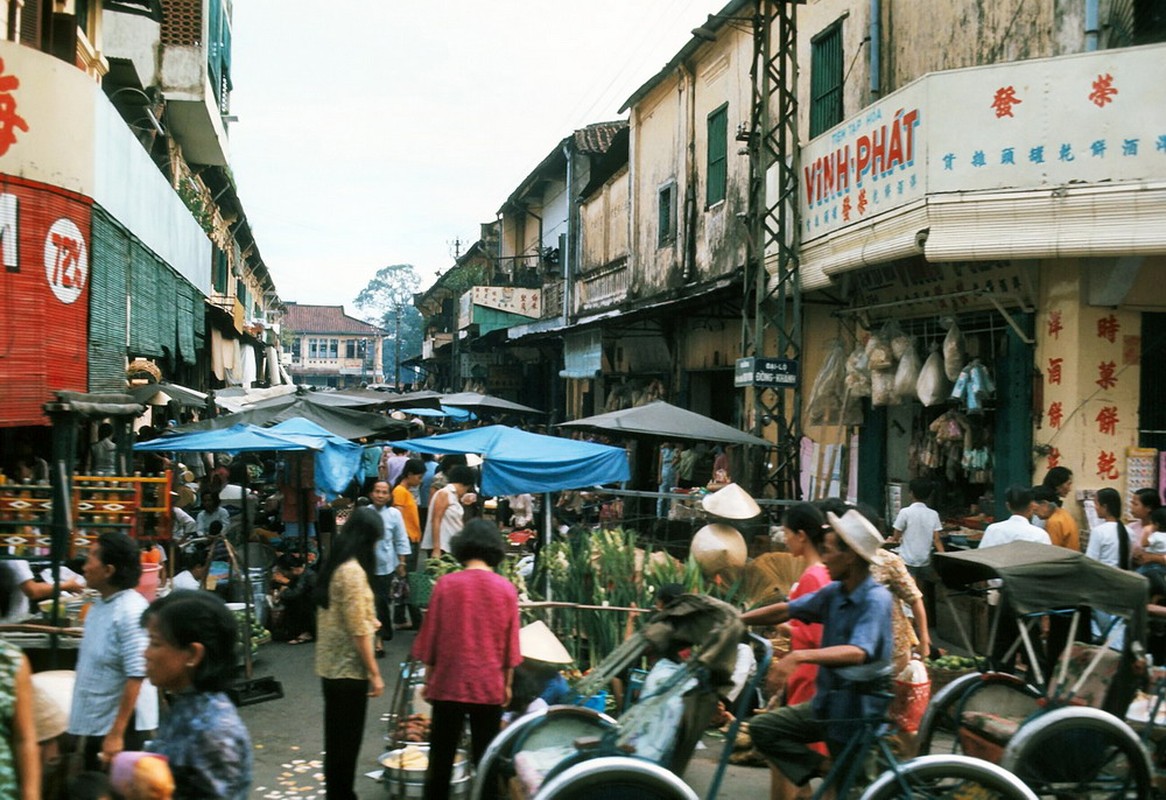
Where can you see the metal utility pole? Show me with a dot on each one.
(772, 308)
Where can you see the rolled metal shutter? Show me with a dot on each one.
(107, 305)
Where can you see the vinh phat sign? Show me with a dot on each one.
(766, 373)
(1085, 118)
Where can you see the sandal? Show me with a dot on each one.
(303, 638)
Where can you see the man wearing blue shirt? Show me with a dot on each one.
(393, 547)
(855, 651)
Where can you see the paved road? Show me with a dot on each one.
(288, 733)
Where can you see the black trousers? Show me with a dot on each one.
(384, 604)
(448, 721)
(345, 704)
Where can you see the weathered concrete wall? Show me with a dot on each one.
(604, 223)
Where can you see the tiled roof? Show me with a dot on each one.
(596, 138)
(326, 319)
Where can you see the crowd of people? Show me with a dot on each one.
(151, 676)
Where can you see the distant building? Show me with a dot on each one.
(323, 346)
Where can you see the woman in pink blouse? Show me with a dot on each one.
(469, 645)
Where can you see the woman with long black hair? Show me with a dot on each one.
(1110, 542)
(346, 622)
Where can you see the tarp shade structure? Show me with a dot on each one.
(1038, 578)
(189, 398)
(346, 423)
(515, 461)
(666, 421)
(239, 438)
(418, 399)
(338, 461)
(457, 414)
(485, 403)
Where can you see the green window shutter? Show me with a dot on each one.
(107, 305)
(167, 298)
(718, 154)
(826, 80)
(186, 350)
(144, 334)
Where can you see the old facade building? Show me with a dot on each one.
(327, 348)
(124, 238)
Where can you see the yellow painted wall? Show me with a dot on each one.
(1098, 377)
(604, 220)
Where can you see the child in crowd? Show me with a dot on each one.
(917, 528)
(1153, 555)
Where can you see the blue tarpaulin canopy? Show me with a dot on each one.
(239, 438)
(458, 414)
(515, 461)
(338, 461)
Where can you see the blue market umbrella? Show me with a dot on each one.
(516, 461)
(238, 438)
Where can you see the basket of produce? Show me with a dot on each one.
(946, 669)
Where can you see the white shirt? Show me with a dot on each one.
(184, 580)
(1156, 543)
(18, 608)
(918, 524)
(1014, 529)
(1103, 544)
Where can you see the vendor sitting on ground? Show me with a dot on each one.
(293, 586)
(196, 558)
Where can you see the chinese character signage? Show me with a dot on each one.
(1085, 118)
(524, 302)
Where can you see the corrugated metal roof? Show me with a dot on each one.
(326, 319)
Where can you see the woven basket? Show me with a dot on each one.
(942, 677)
(420, 588)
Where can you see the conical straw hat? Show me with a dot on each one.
(731, 502)
(537, 642)
(718, 547)
(52, 693)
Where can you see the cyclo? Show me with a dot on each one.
(1057, 722)
(573, 753)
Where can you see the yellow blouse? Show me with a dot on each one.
(350, 612)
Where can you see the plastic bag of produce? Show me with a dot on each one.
(953, 352)
(882, 388)
(912, 694)
(907, 373)
(878, 352)
(825, 401)
(858, 372)
(932, 386)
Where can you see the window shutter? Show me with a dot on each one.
(826, 80)
(718, 144)
(107, 305)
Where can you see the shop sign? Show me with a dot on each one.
(524, 302)
(1081, 119)
(44, 281)
(766, 373)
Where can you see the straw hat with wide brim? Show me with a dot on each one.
(537, 642)
(859, 534)
(718, 547)
(52, 694)
(731, 502)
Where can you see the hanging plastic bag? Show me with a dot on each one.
(932, 386)
(878, 352)
(912, 694)
(907, 373)
(882, 388)
(858, 372)
(953, 352)
(825, 401)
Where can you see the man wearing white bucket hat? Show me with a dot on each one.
(855, 652)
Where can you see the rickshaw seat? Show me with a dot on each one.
(984, 734)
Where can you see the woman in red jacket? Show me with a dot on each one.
(469, 645)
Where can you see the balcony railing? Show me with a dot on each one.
(603, 287)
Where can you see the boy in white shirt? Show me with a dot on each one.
(917, 528)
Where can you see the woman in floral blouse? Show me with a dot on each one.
(191, 657)
(345, 623)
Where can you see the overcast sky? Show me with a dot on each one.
(378, 132)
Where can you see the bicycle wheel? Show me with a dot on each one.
(616, 778)
(1083, 752)
(551, 726)
(949, 778)
(997, 692)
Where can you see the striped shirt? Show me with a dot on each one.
(113, 650)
